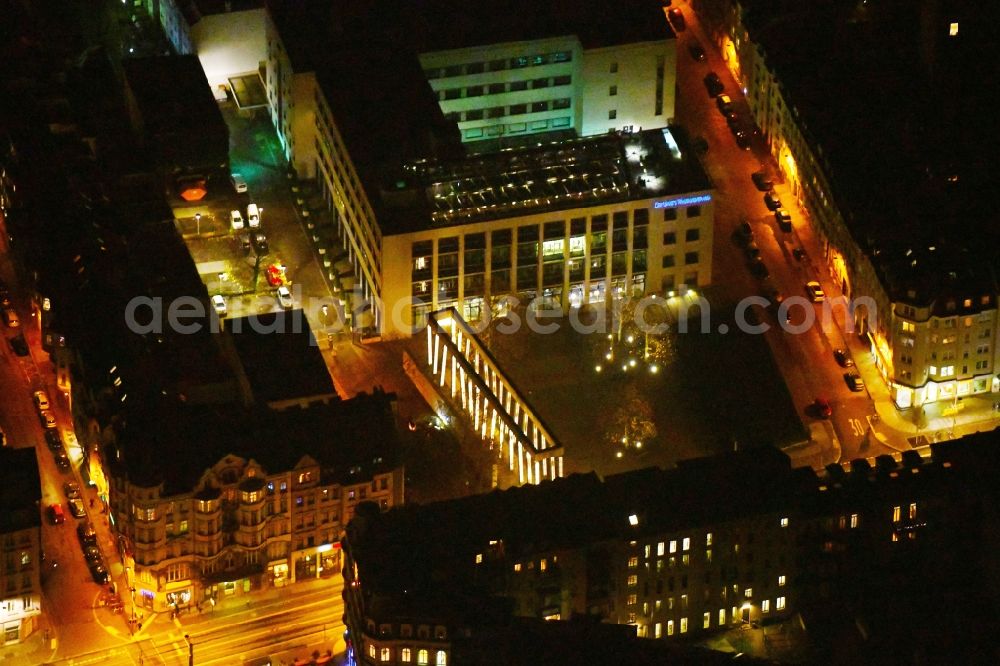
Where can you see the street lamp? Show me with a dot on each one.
(197, 218)
(190, 650)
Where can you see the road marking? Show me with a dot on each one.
(856, 427)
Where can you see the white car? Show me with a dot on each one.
(815, 292)
(219, 303)
(284, 298)
(236, 219)
(239, 183)
(253, 216)
(41, 400)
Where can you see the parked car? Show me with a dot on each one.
(799, 254)
(260, 244)
(99, 573)
(761, 181)
(19, 345)
(48, 419)
(41, 400)
(275, 276)
(676, 17)
(92, 554)
(759, 270)
(724, 104)
(10, 318)
(71, 489)
(743, 140)
(823, 408)
(253, 216)
(784, 219)
(697, 52)
(87, 535)
(62, 460)
(772, 200)
(815, 292)
(219, 304)
(733, 120)
(56, 514)
(854, 381)
(236, 220)
(284, 297)
(53, 440)
(76, 508)
(843, 359)
(713, 84)
(239, 183)
(745, 231)
(752, 251)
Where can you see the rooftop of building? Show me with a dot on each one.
(546, 176)
(899, 119)
(452, 24)
(20, 489)
(178, 109)
(280, 356)
(163, 440)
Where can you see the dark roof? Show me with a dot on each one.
(280, 356)
(452, 24)
(547, 175)
(20, 489)
(178, 112)
(166, 441)
(899, 118)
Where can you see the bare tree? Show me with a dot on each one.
(631, 424)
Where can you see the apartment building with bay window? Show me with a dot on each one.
(251, 500)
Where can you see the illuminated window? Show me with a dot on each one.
(385, 654)
(895, 536)
(908, 327)
(748, 593)
(661, 548)
(632, 580)
(517, 567)
(722, 616)
(708, 539)
(422, 657)
(631, 600)
(659, 602)
(895, 514)
(670, 627)
(673, 546)
(544, 564)
(657, 630)
(708, 555)
(404, 655)
(706, 620)
(780, 603)
(442, 658)
(781, 581)
(633, 562)
(647, 550)
(371, 651)
(913, 510)
(784, 522)
(953, 29)
(686, 559)
(687, 543)
(420, 263)
(854, 520)
(765, 606)
(684, 625)
(631, 618)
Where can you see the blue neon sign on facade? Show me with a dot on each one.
(683, 201)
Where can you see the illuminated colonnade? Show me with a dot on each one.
(498, 412)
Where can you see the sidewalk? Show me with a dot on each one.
(39, 648)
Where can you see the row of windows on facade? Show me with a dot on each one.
(10, 606)
(539, 125)
(12, 583)
(511, 110)
(706, 623)
(950, 305)
(498, 65)
(343, 191)
(632, 581)
(500, 88)
(406, 655)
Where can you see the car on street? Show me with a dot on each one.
(761, 181)
(236, 220)
(843, 359)
(745, 231)
(733, 120)
(10, 318)
(260, 244)
(99, 573)
(724, 104)
(92, 554)
(676, 17)
(815, 291)
(759, 270)
(275, 276)
(697, 52)
(823, 408)
(284, 297)
(76, 508)
(56, 514)
(48, 419)
(752, 251)
(854, 381)
(41, 400)
(19, 345)
(245, 243)
(799, 254)
(62, 460)
(772, 200)
(53, 440)
(71, 489)
(239, 183)
(743, 140)
(253, 216)
(86, 534)
(713, 84)
(219, 305)
(784, 219)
